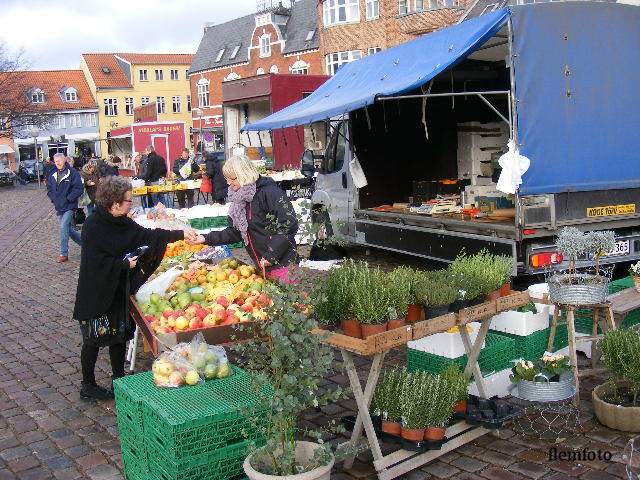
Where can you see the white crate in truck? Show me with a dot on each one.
(445, 344)
(478, 144)
(521, 323)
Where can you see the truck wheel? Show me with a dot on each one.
(321, 248)
(321, 225)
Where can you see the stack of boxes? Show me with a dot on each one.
(478, 145)
(186, 433)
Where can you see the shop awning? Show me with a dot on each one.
(6, 149)
(396, 70)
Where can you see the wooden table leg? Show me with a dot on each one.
(363, 400)
(573, 356)
(473, 351)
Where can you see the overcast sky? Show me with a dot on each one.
(54, 33)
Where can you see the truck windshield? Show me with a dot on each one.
(334, 158)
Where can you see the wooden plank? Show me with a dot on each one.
(477, 312)
(352, 344)
(434, 325)
(387, 340)
(513, 301)
(624, 301)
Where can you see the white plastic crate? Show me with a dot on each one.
(495, 385)
(445, 344)
(522, 323)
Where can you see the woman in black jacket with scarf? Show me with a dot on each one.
(107, 278)
(260, 216)
(214, 162)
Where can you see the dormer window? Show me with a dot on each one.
(37, 95)
(69, 94)
(265, 46)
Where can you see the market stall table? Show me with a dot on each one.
(402, 461)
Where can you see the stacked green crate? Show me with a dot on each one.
(498, 354)
(533, 346)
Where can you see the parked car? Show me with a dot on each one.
(27, 170)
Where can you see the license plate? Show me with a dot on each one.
(622, 248)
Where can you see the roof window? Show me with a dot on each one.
(106, 70)
(234, 52)
(310, 35)
(220, 53)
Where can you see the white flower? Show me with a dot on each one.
(529, 364)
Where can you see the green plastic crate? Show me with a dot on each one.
(130, 393)
(221, 464)
(498, 354)
(134, 453)
(190, 424)
(533, 346)
(133, 470)
(620, 284)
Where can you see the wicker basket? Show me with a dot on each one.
(546, 391)
(578, 294)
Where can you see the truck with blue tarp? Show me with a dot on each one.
(417, 156)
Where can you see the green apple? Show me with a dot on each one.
(155, 298)
(224, 370)
(210, 371)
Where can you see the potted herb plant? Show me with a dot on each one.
(371, 301)
(634, 271)
(437, 291)
(498, 275)
(580, 288)
(285, 359)
(616, 402)
(400, 282)
(468, 275)
(548, 379)
(340, 293)
(439, 405)
(387, 397)
(412, 406)
(458, 384)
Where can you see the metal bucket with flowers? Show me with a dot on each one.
(548, 379)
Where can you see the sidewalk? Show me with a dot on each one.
(46, 431)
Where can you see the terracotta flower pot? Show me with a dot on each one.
(434, 433)
(329, 328)
(505, 289)
(351, 328)
(626, 419)
(392, 428)
(368, 330)
(496, 294)
(413, 313)
(460, 406)
(412, 434)
(397, 323)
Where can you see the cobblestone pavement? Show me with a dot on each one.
(46, 431)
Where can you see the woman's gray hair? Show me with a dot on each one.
(111, 190)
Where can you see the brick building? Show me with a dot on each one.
(275, 41)
(351, 29)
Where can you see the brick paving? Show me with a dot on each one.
(48, 432)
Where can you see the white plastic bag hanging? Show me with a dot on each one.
(357, 174)
(513, 167)
(159, 285)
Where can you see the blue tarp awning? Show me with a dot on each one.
(396, 70)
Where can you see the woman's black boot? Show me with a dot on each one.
(96, 392)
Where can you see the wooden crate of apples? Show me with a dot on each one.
(205, 296)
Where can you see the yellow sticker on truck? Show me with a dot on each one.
(611, 210)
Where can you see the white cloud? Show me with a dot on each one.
(54, 34)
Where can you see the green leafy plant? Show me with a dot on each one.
(332, 294)
(371, 297)
(457, 381)
(548, 367)
(286, 364)
(571, 243)
(413, 408)
(600, 243)
(523, 370)
(529, 307)
(634, 269)
(621, 356)
(439, 402)
(386, 399)
(400, 282)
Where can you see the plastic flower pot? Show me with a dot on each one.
(434, 433)
(412, 434)
(304, 452)
(397, 323)
(433, 312)
(413, 313)
(368, 329)
(351, 328)
(392, 428)
(460, 406)
(613, 416)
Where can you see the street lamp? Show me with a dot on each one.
(199, 112)
(33, 132)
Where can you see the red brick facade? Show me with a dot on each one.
(283, 64)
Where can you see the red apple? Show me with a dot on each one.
(209, 320)
(166, 312)
(232, 317)
(222, 300)
(219, 315)
(263, 300)
(150, 318)
(247, 307)
(195, 323)
(160, 330)
(239, 301)
(201, 313)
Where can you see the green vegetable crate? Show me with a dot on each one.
(532, 347)
(184, 433)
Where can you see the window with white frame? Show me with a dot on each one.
(300, 67)
(37, 96)
(110, 107)
(173, 74)
(58, 122)
(335, 12)
(71, 95)
(373, 9)
(160, 104)
(175, 101)
(403, 7)
(336, 60)
(274, 69)
(75, 120)
(91, 119)
(186, 74)
(159, 75)
(418, 5)
(234, 52)
(203, 92)
(260, 71)
(433, 3)
(220, 54)
(4, 124)
(128, 105)
(188, 103)
(231, 76)
(143, 75)
(144, 101)
(265, 46)
(373, 50)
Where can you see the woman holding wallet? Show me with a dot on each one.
(109, 275)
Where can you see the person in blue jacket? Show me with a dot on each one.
(64, 187)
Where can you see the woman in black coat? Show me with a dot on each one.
(214, 162)
(260, 216)
(107, 278)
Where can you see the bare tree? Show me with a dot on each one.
(17, 113)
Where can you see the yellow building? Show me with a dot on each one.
(121, 82)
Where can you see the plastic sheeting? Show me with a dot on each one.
(577, 72)
(396, 70)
